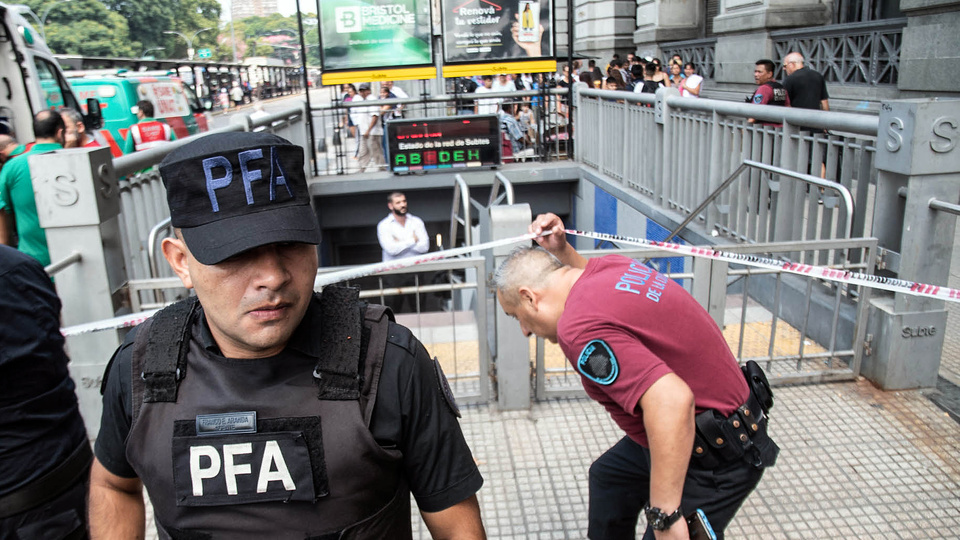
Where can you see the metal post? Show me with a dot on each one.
(513, 348)
(78, 201)
(306, 90)
(916, 149)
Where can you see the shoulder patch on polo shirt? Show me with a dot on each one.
(598, 363)
(448, 396)
(758, 98)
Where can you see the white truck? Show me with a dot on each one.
(30, 78)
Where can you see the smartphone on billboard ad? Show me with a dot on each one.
(529, 21)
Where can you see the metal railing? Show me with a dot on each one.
(673, 152)
(337, 147)
(800, 329)
(452, 334)
(699, 51)
(851, 53)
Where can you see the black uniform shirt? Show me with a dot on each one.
(40, 423)
(410, 414)
(806, 88)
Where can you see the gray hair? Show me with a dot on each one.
(75, 116)
(525, 266)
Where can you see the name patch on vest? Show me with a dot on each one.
(231, 422)
(215, 470)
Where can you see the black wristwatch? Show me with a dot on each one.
(659, 520)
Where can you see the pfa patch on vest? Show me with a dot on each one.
(598, 363)
(216, 470)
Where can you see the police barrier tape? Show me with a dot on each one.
(322, 280)
(822, 272)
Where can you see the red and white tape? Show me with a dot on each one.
(822, 272)
(322, 280)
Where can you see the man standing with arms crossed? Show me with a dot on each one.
(259, 409)
(401, 235)
(627, 330)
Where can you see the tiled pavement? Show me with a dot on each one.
(855, 462)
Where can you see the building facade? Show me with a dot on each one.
(868, 50)
(241, 9)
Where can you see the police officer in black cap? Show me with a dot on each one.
(260, 409)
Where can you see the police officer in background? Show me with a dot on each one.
(769, 91)
(259, 409)
(657, 362)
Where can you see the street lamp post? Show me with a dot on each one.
(145, 51)
(189, 40)
(43, 17)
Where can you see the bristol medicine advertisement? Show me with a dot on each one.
(362, 34)
(496, 30)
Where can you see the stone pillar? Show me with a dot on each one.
(916, 150)
(743, 29)
(663, 21)
(603, 27)
(512, 348)
(928, 55)
(78, 201)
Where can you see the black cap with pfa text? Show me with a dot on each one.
(230, 192)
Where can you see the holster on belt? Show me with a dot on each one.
(742, 435)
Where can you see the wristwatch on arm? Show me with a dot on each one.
(660, 520)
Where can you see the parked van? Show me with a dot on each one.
(30, 78)
(173, 102)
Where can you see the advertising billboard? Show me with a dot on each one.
(497, 33)
(443, 143)
(368, 40)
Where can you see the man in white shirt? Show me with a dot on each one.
(503, 84)
(400, 235)
(486, 105)
(371, 131)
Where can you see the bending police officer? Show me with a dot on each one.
(262, 410)
(695, 434)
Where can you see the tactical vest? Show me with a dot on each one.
(779, 94)
(149, 134)
(260, 448)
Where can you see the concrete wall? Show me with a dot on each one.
(930, 53)
(603, 27)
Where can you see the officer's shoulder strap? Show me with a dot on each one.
(337, 373)
(376, 330)
(160, 353)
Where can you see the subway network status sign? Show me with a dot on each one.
(430, 144)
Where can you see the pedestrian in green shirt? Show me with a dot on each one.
(18, 208)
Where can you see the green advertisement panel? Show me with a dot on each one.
(365, 34)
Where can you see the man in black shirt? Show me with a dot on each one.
(259, 409)
(44, 453)
(806, 87)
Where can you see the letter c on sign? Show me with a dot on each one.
(947, 137)
(895, 140)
